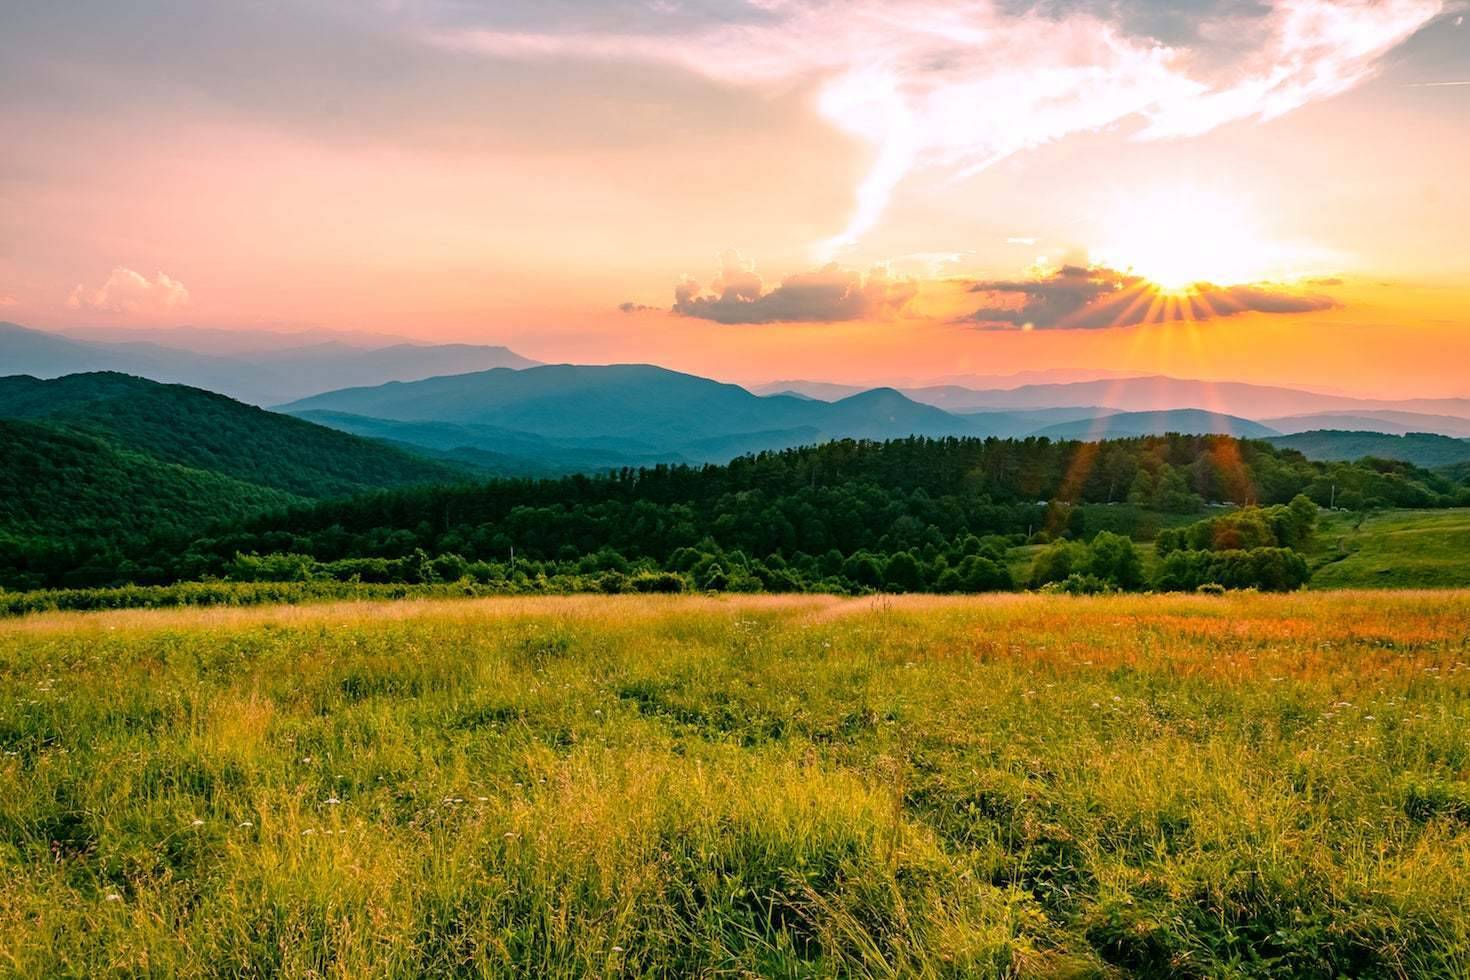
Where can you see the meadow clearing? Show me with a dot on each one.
(1012, 785)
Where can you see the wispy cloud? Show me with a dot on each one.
(126, 291)
(962, 85)
(1095, 297)
(827, 295)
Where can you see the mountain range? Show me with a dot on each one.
(445, 419)
(260, 377)
(560, 418)
(1151, 394)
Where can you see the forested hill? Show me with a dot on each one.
(58, 487)
(209, 432)
(1425, 449)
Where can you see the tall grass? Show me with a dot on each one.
(775, 786)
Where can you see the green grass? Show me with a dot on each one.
(1243, 786)
(1393, 549)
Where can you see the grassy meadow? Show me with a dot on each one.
(1393, 549)
(1016, 785)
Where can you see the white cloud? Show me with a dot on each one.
(962, 84)
(126, 291)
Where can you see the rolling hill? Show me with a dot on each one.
(208, 432)
(1420, 448)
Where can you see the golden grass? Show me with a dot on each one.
(773, 785)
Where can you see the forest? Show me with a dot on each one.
(918, 514)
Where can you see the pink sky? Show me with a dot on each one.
(443, 173)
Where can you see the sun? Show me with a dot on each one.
(1179, 237)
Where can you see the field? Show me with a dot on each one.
(778, 786)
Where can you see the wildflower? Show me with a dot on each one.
(246, 823)
(114, 897)
(307, 832)
(199, 823)
(331, 801)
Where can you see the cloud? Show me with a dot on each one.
(631, 307)
(830, 294)
(1094, 297)
(126, 291)
(962, 85)
(7, 300)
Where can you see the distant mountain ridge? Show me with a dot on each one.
(1151, 393)
(258, 377)
(650, 409)
(554, 413)
(1127, 424)
(1388, 422)
(1159, 393)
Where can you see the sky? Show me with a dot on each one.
(845, 190)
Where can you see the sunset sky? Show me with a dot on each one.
(847, 190)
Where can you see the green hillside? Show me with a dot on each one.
(1394, 549)
(72, 506)
(53, 481)
(1420, 448)
(206, 431)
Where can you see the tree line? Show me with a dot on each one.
(905, 515)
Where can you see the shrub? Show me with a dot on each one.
(1268, 569)
(1055, 562)
(1076, 584)
(666, 582)
(1112, 558)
